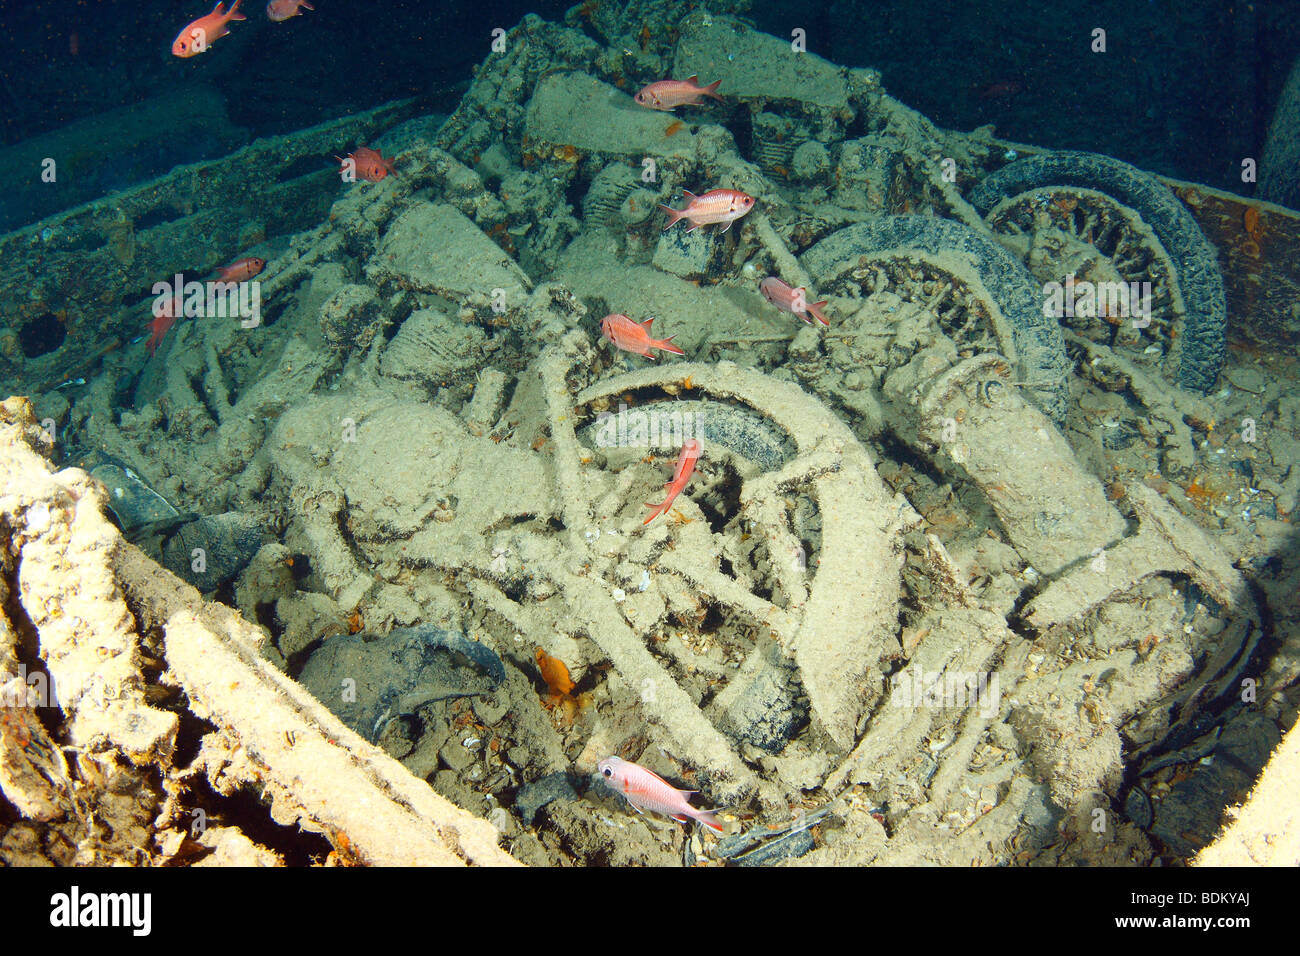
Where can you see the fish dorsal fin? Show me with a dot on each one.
(647, 323)
(694, 78)
(688, 194)
(647, 769)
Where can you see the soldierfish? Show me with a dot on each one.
(646, 790)
(206, 30)
(686, 460)
(634, 337)
(368, 163)
(670, 94)
(278, 10)
(240, 270)
(165, 314)
(792, 300)
(715, 206)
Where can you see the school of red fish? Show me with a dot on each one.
(723, 207)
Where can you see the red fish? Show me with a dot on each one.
(165, 314)
(670, 94)
(370, 164)
(646, 790)
(686, 460)
(631, 336)
(203, 32)
(715, 206)
(792, 300)
(240, 270)
(278, 10)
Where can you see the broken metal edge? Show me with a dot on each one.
(320, 769)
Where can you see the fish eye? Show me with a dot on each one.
(608, 772)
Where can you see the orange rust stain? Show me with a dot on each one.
(355, 623)
(555, 673)
(1147, 643)
(1251, 220)
(500, 234)
(1199, 494)
(560, 700)
(673, 128)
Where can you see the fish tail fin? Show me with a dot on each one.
(673, 215)
(709, 818)
(712, 90)
(654, 514)
(816, 309)
(307, 5)
(667, 346)
(234, 13)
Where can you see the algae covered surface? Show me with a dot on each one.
(997, 568)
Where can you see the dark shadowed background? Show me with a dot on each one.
(1185, 87)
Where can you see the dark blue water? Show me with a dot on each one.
(1184, 88)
